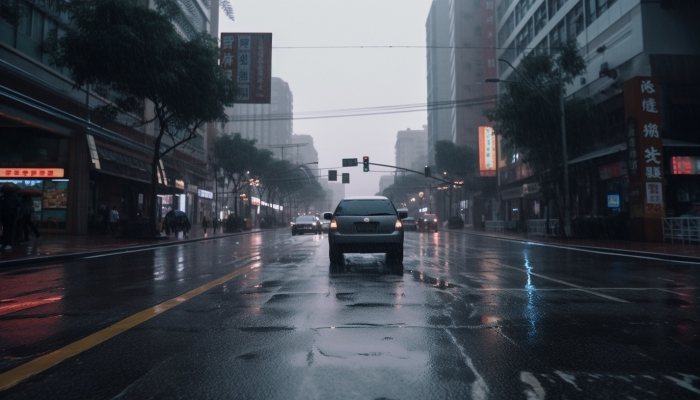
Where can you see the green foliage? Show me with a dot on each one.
(528, 119)
(137, 54)
(405, 187)
(457, 161)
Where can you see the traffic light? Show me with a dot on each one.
(426, 171)
(365, 164)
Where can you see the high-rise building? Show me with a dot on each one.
(269, 124)
(47, 126)
(621, 41)
(466, 70)
(437, 30)
(412, 148)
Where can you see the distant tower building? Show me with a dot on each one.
(412, 148)
(269, 124)
(437, 29)
(335, 191)
(466, 70)
(305, 153)
(385, 181)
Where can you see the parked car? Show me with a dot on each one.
(409, 224)
(324, 223)
(306, 224)
(428, 222)
(455, 222)
(365, 225)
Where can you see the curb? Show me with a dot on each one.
(73, 256)
(664, 256)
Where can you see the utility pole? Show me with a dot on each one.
(565, 155)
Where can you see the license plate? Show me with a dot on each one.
(366, 227)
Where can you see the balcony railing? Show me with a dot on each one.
(494, 226)
(538, 227)
(681, 229)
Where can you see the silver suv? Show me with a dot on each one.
(365, 225)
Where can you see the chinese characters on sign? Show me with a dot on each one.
(685, 165)
(488, 43)
(645, 147)
(487, 149)
(247, 59)
(31, 172)
(654, 198)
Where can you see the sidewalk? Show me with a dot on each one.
(57, 247)
(677, 251)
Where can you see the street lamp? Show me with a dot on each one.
(565, 155)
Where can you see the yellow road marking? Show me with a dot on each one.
(40, 364)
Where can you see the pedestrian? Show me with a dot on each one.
(10, 206)
(25, 221)
(483, 222)
(113, 220)
(103, 219)
(205, 224)
(215, 224)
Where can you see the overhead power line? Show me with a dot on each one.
(369, 111)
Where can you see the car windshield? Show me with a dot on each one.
(365, 207)
(305, 219)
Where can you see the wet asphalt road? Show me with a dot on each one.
(467, 317)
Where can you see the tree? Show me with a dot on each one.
(235, 156)
(135, 53)
(530, 125)
(458, 161)
(405, 187)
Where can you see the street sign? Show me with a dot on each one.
(346, 178)
(349, 162)
(333, 175)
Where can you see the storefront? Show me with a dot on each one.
(50, 194)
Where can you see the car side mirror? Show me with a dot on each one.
(403, 214)
(328, 216)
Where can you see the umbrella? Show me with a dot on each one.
(176, 213)
(9, 188)
(30, 190)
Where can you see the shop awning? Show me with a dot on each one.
(122, 165)
(623, 146)
(600, 153)
(679, 143)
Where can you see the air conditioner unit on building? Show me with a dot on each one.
(606, 71)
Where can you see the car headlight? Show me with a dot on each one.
(314, 224)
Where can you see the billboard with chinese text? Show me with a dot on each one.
(487, 149)
(247, 59)
(644, 158)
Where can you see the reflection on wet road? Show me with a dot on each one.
(263, 316)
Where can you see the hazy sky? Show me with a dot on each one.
(331, 79)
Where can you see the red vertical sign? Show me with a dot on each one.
(247, 59)
(645, 155)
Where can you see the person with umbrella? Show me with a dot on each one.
(10, 206)
(25, 221)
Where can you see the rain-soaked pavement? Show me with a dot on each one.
(263, 316)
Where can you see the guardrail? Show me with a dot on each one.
(494, 226)
(538, 227)
(683, 229)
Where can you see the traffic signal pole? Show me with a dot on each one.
(410, 170)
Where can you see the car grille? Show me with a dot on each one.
(366, 227)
